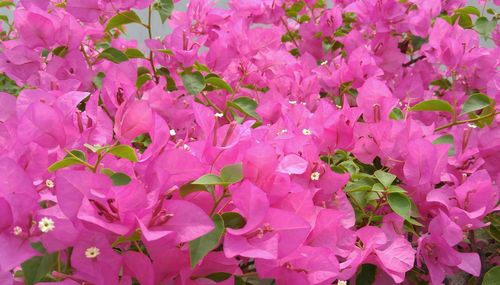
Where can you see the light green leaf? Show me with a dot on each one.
(232, 173)
(123, 151)
(433, 105)
(98, 79)
(134, 53)
(123, 18)
(484, 26)
(120, 179)
(395, 189)
(400, 204)
(470, 10)
(385, 178)
(246, 105)
(475, 102)
(193, 82)
(201, 67)
(492, 277)
(396, 114)
(36, 268)
(164, 8)
(201, 246)
(142, 79)
(208, 179)
(219, 83)
(446, 139)
(64, 163)
(113, 55)
(191, 188)
(76, 154)
(233, 220)
(7, 3)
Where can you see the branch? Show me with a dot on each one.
(413, 61)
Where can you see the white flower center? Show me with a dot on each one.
(49, 183)
(315, 176)
(306, 132)
(92, 252)
(17, 230)
(46, 225)
(172, 132)
(292, 102)
(342, 282)
(219, 115)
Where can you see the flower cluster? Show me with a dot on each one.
(284, 141)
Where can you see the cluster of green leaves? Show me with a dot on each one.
(464, 16)
(8, 85)
(370, 185)
(38, 268)
(479, 107)
(78, 157)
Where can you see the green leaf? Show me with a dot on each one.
(123, 18)
(245, 105)
(76, 154)
(36, 268)
(191, 188)
(218, 276)
(113, 55)
(60, 51)
(443, 83)
(193, 82)
(201, 246)
(64, 163)
(470, 10)
(377, 187)
(208, 179)
(400, 204)
(396, 114)
(366, 275)
(201, 67)
(484, 26)
(492, 276)
(136, 236)
(395, 189)
(166, 51)
(164, 8)
(7, 3)
(123, 151)
(142, 79)
(95, 148)
(98, 79)
(120, 179)
(232, 173)
(385, 178)
(219, 83)
(475, 102)
(446, 139)
(433, 105)
(233, 220)
(134, 53)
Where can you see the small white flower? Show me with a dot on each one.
(324, 62)
(186, 147)
(342, 282)
(172, 132)
(219, 115)
(306, 132)
(292, 102)
(17, 230)
(282, 132)
(92, 252)
(46, 225)
(315, 176)
(472, 126)
(49, 183)
(338, 106)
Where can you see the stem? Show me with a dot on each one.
(138, 247)
(67, 268)
(465, 121)
(83, 162)
(414, 61)
(291, 36)
(150, 34)
(216, 204)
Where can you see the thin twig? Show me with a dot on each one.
(465, 121)
(414, 61)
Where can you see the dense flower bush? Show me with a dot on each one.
(270, 142)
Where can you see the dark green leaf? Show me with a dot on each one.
(433, 105)
(208, 179)
(492, 277)
(400, 204)
(8, 85)
(60, 51)
(64, 163)
(76, 154)
(36, 268)
(232, 173)
(475, 102)
(191, 188)
(366, 275)
(113, 55)
(123, 18)
(233, 220)
(120, 179)
(201, 246)
(123, 151)
(134, 53)
(219, 83)
(385, 178)
(446, 139)
(443, 83)
(193, 82)
(136, 236)
(164, 8)
(218, 276)
(245, 105)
